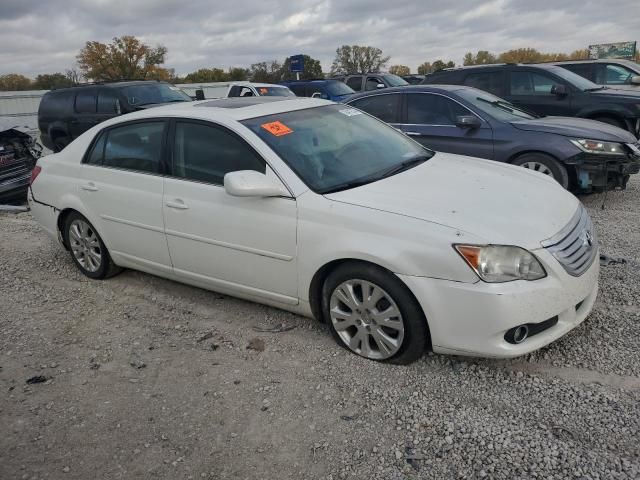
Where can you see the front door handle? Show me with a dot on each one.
(413, 134)
(89, 187)
(177, 204)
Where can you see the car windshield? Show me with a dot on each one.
(149, 93)
(335, 147)
(495, 106)
(394, 80)
(574, 79)
(338, 88)
(275, 92)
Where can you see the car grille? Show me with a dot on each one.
(576, 245)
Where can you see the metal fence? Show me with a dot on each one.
(22, 108)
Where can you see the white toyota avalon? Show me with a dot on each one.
(325, 211)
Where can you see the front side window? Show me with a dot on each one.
(372, 83)
(385, 106)
(615, 75)
(338, 88)
(355, 83)
(429, 109)
(136, 146)
(395, 80)
(206, 153)
(86, 101)
(530, 83)
(335, 147)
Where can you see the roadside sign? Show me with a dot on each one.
(613, 50)
(296, 63)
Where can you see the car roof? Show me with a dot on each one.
(255, 84)
(410, 88)
(622, 61)
(239, 108)
(490, 65)
(118, 84)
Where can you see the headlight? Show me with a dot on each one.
(596, 146)
(501, 263)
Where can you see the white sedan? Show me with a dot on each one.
(322, 210)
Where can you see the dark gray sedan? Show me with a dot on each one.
(580, 154)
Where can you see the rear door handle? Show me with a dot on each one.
(177, 204)
(89, 187)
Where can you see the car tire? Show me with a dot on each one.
(388, 326)
(59, 143)
(546, 164)
(87, 249)
(612, 121)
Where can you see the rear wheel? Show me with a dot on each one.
(545, 164)
(88, 251)
(372, 313)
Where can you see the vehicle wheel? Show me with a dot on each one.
(612, 121)
(87, 248)
(372, 313)
(59, 143)
(546, 164)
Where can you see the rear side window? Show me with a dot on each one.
(96, 155)
(488, 81)
(86, 101)
(385, 107)
(582, 69)
(137, 146)
(205, 153)
(429, 109)
(108, 102)
(355, 83)
(56, 103)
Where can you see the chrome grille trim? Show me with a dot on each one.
(576, 245)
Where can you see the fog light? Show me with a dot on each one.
(517, 334)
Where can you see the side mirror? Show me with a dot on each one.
(635, 80)
(199, 94)
(249, 183)
(559, 90)
(381, 85)
(468, 121)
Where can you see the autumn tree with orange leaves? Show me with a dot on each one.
(125, 58)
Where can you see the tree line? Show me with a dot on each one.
(128, 58)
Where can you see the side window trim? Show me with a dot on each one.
(105, 131)
(171, 141)
(406, 112)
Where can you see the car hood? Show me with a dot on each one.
(576, 128)
(499, 203)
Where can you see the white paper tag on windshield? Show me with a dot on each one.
(350, 112)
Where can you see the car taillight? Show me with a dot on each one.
(34, 174)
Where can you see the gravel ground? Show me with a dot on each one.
(141, 377)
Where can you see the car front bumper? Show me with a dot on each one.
(604, 172)
(472, 319)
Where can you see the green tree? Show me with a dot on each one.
(206, 75)
(439, 65)
(236, 73)
(49, 81)
(15, 81)
(399, 70)
(358, 59)
(482, 57)
(312, 69)
(425, 68)
(124, 58)
(267, 72)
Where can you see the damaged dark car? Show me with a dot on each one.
(580, 154)
(18, 155)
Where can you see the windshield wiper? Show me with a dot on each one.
(593, 89)
(508, 107)
(395, 169)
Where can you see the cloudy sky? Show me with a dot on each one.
(43, 36)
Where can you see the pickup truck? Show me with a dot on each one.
(234, 89)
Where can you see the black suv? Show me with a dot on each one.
(66, 113)
(371, 81)
(617, 73)
(547, 89)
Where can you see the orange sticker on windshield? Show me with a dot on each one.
(277, 128)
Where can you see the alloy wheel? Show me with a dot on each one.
(85, 245)
(367, 319)
(538, 167)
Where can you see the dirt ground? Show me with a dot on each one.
(137, 377)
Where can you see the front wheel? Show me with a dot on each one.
(88, 251)
(545, 164)
(373, 314)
